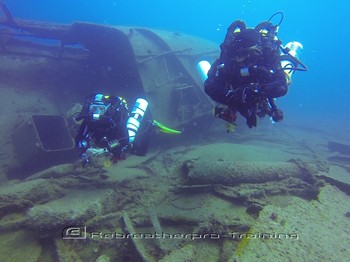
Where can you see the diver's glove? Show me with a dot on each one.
(251, 118)
(90, 152)
(251, 95)
(81, 117)
(259, 73)
(105, 119)
(228, 114)
(252, 121)
(277, 115)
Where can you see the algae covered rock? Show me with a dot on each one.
(30, 249)
(185, 254)
(242, 181)
(73, 209)
(235, 173)
(21, 196)
(39, 190)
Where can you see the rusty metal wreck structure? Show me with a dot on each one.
(121, 59)
(67, 62)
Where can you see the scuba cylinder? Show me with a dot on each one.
(136, 116)
(295, 48)
(203, 68)
(290, 62)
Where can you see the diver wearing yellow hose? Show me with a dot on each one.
(109, 127)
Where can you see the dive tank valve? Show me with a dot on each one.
(136, 116)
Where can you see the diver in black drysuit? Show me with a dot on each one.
(248, 75)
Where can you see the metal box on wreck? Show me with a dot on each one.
(43, 140)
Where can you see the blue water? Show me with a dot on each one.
(321, 94)
(319, 97)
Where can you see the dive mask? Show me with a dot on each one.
(98, 109)
(246, 38)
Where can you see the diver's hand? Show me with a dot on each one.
(91, 152)
(252, 121)
(260, 73)
(255, 51)
(251, 95)
(277, 115)
(96, 151)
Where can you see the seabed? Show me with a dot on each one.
(275, 193)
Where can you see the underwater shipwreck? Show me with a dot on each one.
(210, 200)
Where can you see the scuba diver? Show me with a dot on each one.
(109, 128)
(252, 71)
